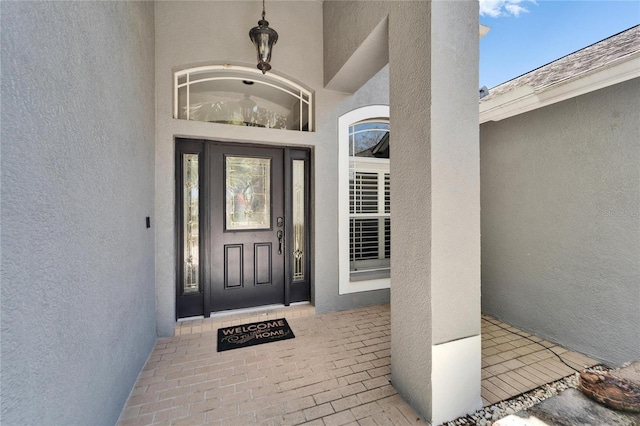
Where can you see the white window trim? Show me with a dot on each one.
(345, 285)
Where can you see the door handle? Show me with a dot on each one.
(279, 242)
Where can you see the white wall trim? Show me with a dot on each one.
(346, 286)
(525, 99)
(455, 379)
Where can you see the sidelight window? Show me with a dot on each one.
(299, 185)
(190, 223)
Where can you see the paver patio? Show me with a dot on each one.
(335, 372)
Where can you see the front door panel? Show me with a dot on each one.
(242, 230)
(246, 201)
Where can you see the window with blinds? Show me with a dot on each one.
(369, 199)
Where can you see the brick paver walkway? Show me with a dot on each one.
(514, 362)
(335, 372)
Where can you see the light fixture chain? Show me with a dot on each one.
(263, 13)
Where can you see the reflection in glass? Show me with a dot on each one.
(365, 137)
(234, 111)
(238, 96)
(248, 193)
(191, 232)
(298, 220)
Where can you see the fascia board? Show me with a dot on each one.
(515, 102)
(525, 99)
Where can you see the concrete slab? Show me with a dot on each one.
(570, 408)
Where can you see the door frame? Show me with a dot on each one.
(294, 291)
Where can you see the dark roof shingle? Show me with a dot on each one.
(584, 60)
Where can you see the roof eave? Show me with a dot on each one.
(526, 98)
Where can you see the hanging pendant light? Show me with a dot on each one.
(263, 39)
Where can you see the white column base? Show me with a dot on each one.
(455, 379)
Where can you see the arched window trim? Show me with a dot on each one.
(345, 285)
(251, 74)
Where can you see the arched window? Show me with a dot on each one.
(364, 199)
(241, 96)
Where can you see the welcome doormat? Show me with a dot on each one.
(256, 333)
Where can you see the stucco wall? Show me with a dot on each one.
(189, 33)
(347, 24)
(77, 183)
(435, 243)
(561, 222)
(435, 263)
(455, 170)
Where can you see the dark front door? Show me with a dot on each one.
(243, 226)
(247, 226)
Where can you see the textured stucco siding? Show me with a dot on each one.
(190, 33)
(435, 263)
(561, 222)
(411, 302)
(347, 24)
(78, 298)
(455, 171)
(435, 205)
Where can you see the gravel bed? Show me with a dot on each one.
(487, 415)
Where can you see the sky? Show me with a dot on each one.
(526, 34)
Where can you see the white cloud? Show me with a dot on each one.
(498, 8)
(515, 9)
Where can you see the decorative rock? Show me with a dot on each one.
(487, 415)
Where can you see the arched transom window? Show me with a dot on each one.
(241, 96)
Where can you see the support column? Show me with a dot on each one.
(435, 243)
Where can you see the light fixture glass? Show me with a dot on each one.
(249, 108)
(263, 39)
